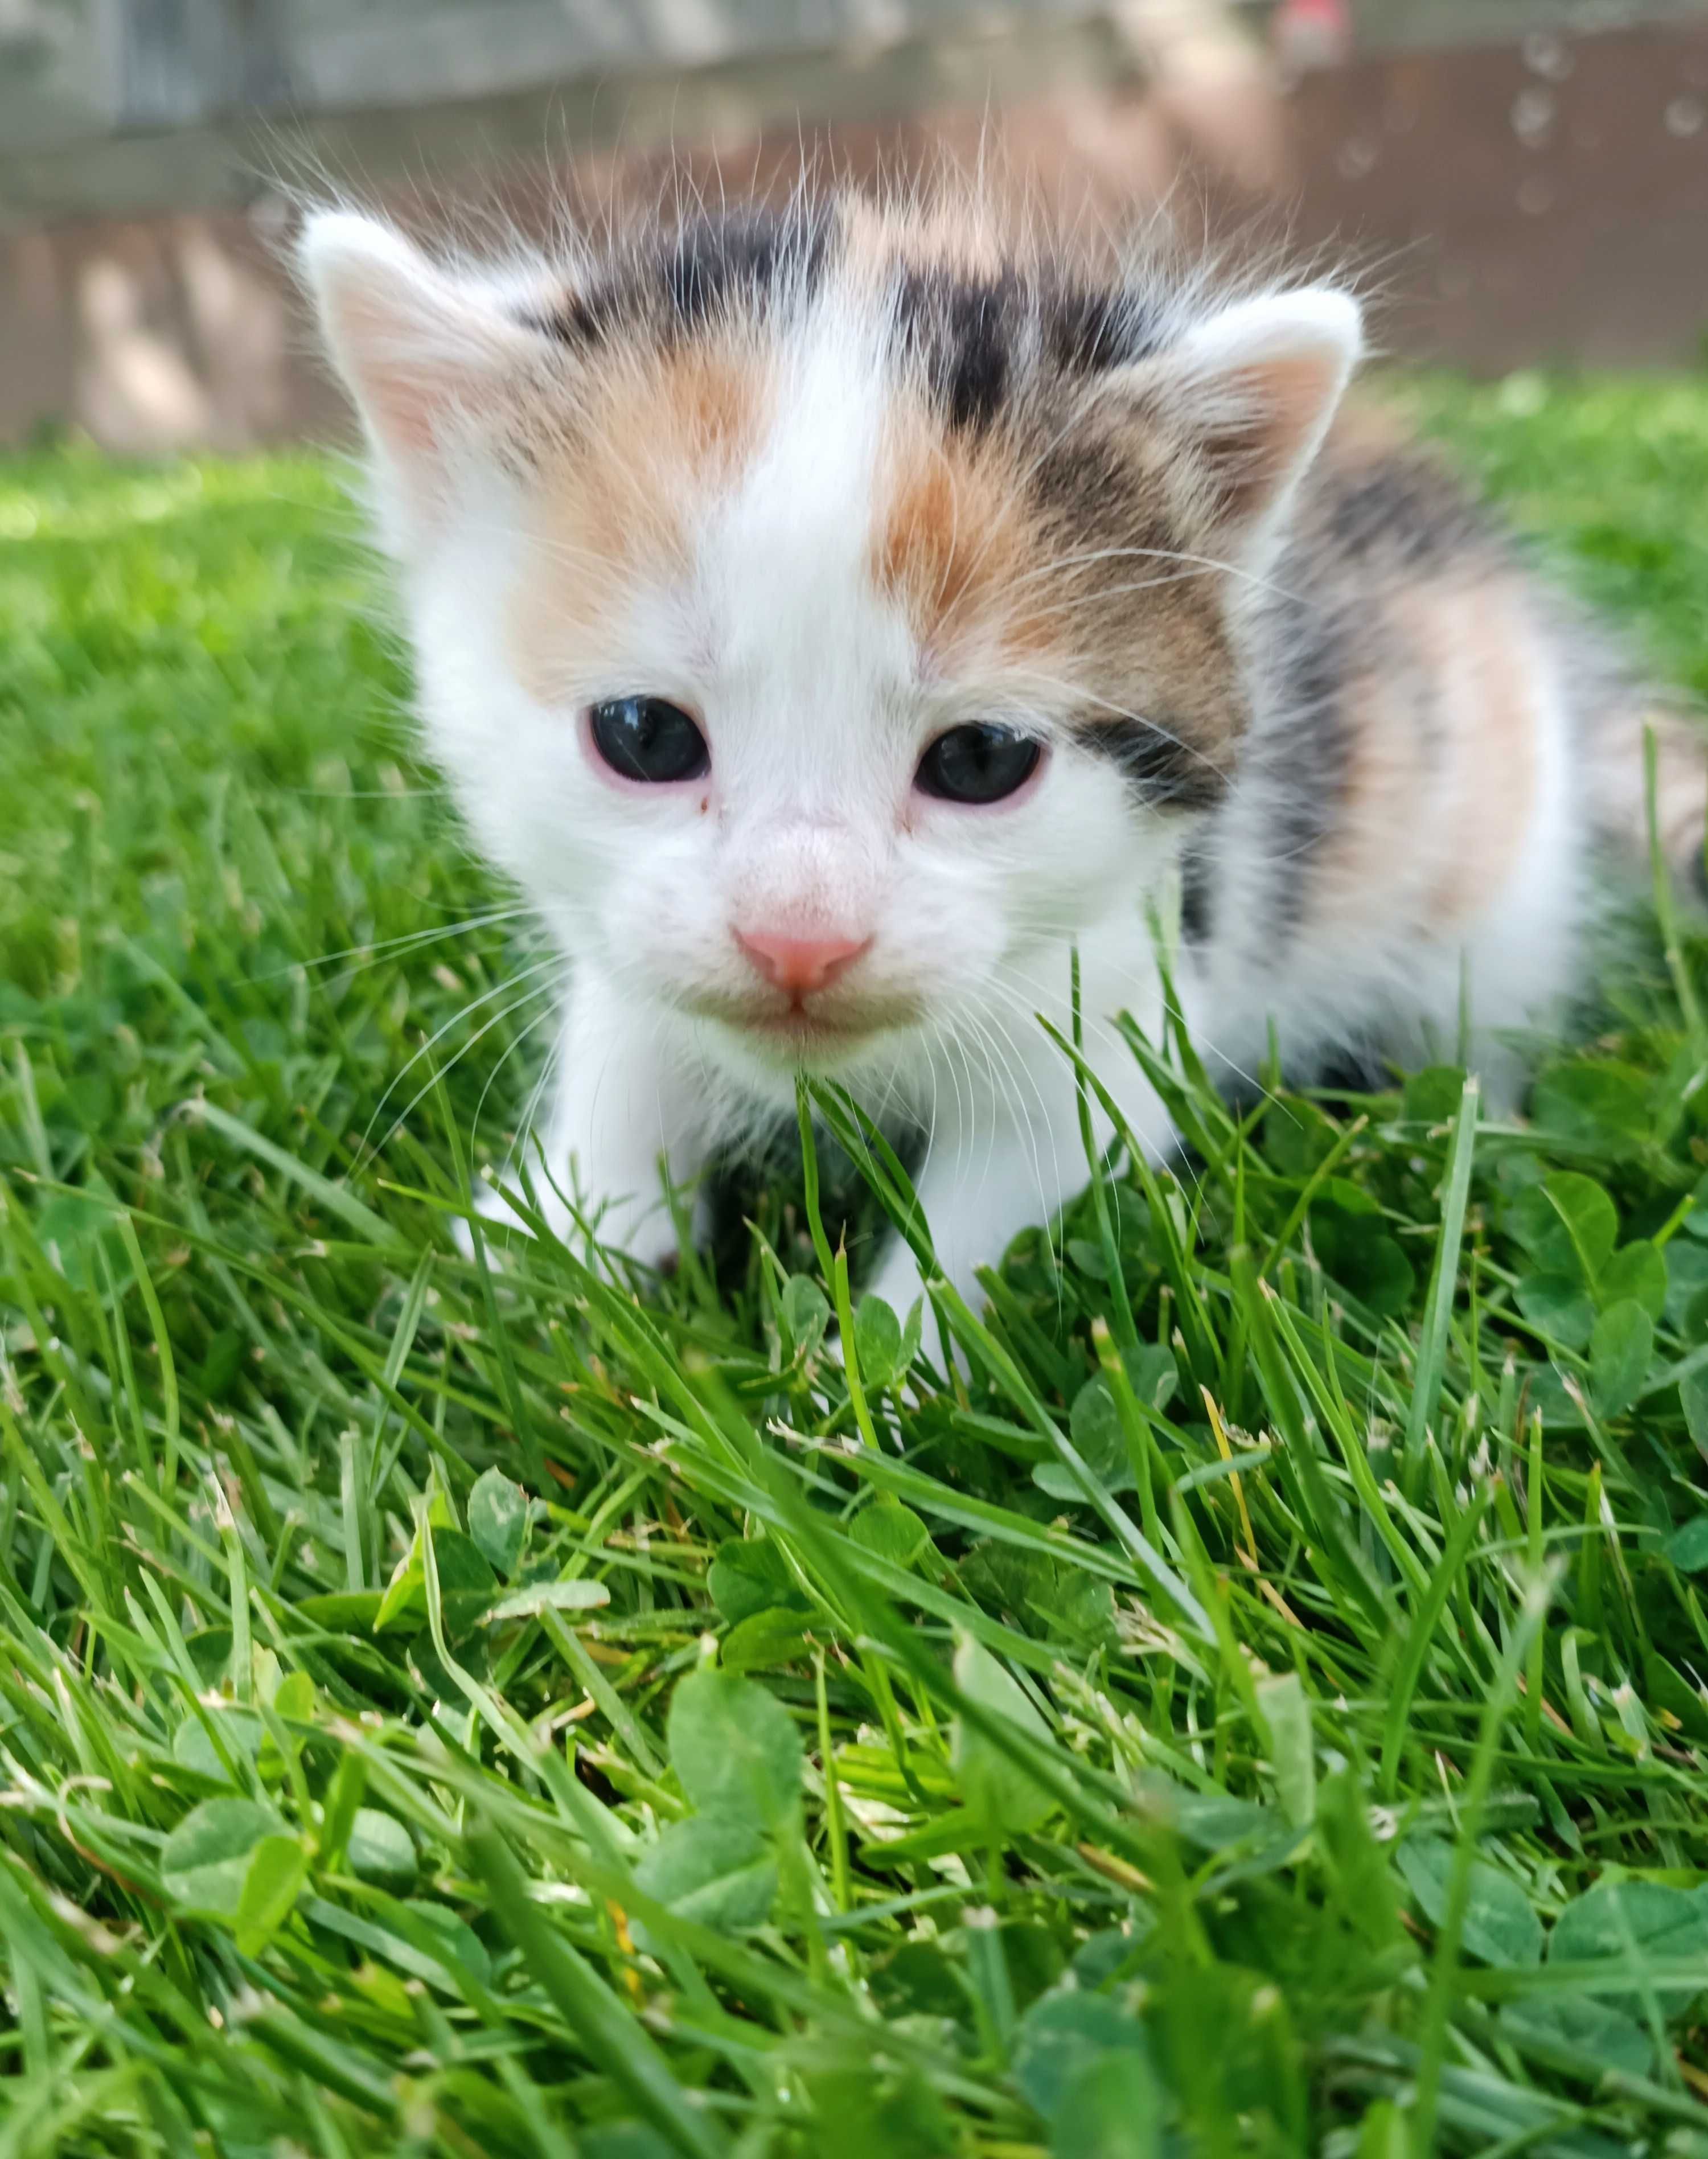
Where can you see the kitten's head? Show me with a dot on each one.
(822, 615)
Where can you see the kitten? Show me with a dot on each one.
(830, 619)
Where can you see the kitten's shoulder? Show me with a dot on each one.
(1383, 498)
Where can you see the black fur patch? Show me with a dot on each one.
(743, 257)
(1355, 1069)
(1406, 507)
(690, 276)
(1306, 755)
(580, 320)
(1086, 331)
(977, 337)
(964, 331)
(1197, 919)
(1163, 769)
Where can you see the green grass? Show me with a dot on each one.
(452, 1708)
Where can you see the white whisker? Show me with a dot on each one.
(464, 1011)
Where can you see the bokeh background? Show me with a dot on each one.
(1525, 181)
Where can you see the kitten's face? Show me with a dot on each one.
(820, 630)
(881, 812)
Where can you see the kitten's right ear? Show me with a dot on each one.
(422, 352)
(1248, 394)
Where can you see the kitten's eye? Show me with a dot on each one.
(979, 762)
(648, 739)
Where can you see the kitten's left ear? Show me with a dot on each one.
(1248, 393)
(424, 353)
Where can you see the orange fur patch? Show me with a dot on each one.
(953, 540)
(1384, 783)
(1492, 784)
(986, 581)
(1431, 820)
(618, 492)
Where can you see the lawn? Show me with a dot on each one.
(490, 1705)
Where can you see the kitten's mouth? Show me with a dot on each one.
(801, 1029)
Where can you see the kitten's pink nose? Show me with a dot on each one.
(800, 964)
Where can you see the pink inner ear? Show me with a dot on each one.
(415, 346)
(402, 388)
(405, 402)
(1293, 388)
(1283, 396)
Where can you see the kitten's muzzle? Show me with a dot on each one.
(807, 1004)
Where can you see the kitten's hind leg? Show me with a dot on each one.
(620, 1104)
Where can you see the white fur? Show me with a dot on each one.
(817, 706)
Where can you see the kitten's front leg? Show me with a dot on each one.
(1006, 1153)
(975, 1200)
(620, 1102)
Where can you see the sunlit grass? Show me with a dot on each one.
(450, 1706)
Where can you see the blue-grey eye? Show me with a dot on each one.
(979, 762)
(648, 739)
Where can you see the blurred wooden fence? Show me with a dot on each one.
(1531, 174)
(77, 71)
(78, 76)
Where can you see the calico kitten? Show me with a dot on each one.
(830, 619)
